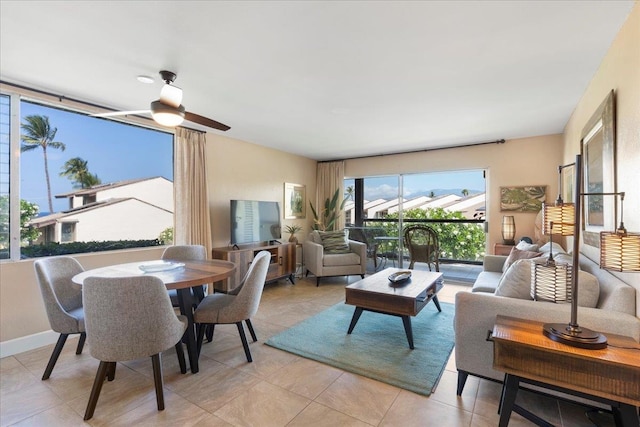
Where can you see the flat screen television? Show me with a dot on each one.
(254, 221)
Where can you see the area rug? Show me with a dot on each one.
(377, 348)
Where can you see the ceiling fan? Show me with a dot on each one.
(168, 110)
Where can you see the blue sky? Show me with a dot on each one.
(114, 152)
(414, 184)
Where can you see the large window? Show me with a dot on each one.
(83, 182)
(452, 203)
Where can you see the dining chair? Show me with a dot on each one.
(238, 305)
(129, 318)
(62, 301)
(422, 243)
(185, 253)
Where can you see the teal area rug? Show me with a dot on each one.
(377, 348)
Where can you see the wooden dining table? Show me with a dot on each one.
(193, 274)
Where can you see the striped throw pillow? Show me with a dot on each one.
(335, 242)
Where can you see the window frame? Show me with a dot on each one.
(17, 94)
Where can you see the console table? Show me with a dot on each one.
(610, 375)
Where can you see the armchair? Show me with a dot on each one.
(323, 264)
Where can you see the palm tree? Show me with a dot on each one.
(37, 132)
(76, 169)
(350, 192)
(465, 192)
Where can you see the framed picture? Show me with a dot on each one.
(599, 164)
(568, 182)
(295, 201)
(522, 199)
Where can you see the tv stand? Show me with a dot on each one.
(282, 263)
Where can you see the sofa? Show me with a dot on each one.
(613, 311)
(323, 257)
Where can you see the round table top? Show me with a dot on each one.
(193, 273)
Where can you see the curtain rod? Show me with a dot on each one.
(62, 98)
(497, 141)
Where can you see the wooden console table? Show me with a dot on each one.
(610, 375)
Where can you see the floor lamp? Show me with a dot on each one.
(619, 250)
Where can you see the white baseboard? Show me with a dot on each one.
(30, 342)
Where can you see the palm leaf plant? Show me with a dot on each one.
(326, 219)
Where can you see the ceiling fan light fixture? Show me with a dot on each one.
(167, 115)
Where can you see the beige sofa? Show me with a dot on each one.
(475, 314)
(322, 264)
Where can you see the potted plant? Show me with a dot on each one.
(293, 229)
(325, 220)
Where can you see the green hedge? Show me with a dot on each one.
(51, 249)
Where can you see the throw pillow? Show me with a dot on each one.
(524, 246)
(517, 254)
(588, 289)
(557, 249)
(335, 242)
(516, 281)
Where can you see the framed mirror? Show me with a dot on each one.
(598, 149)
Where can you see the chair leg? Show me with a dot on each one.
(54, 356)
(83, 338)
(210, 332)
(180, 354)
(156, 361)
(317, 281)
(245, 344)
(201, 328)
(95, 390)
(462, 379)
(251, 331)
(111, 371)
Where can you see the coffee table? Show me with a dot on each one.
(376, 293)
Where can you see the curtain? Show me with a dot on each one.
(192, 224)
(329, 177)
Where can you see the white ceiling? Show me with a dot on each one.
(326, 80)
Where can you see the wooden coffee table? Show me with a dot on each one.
(376, 293)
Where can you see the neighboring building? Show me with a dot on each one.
(126, 210)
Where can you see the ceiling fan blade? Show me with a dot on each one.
(121, 113)
(171, 95)
(201, 120)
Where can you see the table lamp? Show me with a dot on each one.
(508, 230)
(620, 251)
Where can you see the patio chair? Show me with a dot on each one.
(422, 243)
(129, 318)
(360, 235)
(62, 302)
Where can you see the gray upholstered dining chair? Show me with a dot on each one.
(129, 318)
(236, 306)
(185, 253)
(62, 301)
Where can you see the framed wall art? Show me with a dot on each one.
(527, 198)
(295, 201)
(599, 163)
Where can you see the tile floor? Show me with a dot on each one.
(277, 389)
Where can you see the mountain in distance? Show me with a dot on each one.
(444, 192)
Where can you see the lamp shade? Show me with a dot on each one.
(560, 217)
(620, 251)
(508, 230)
(551, 282)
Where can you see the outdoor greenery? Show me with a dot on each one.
(77, 171)
(457, 241)
(52, 249)
(38, 133)
(325, 220)
(27, 212)
(166, 236)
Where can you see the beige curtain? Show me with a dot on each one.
(330, 175)
(192, 225)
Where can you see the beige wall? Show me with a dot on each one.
(236, 170)
(620, 71)
(240, 170)
(526, 161)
